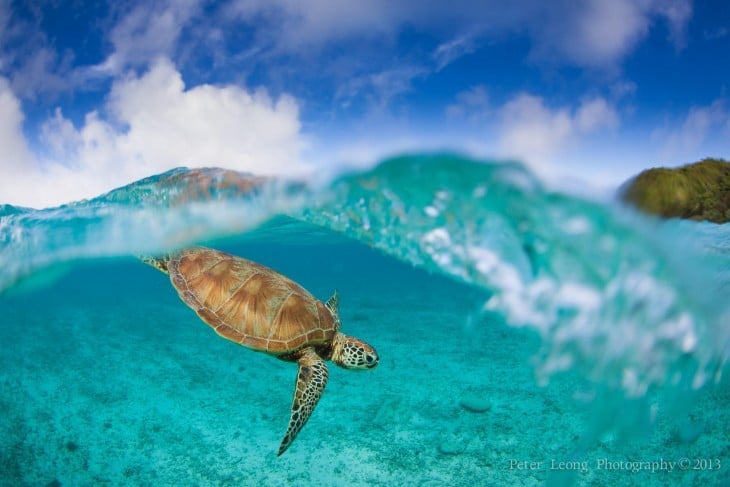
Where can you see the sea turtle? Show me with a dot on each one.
(261, 309)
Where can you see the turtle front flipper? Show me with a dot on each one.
(311, 380)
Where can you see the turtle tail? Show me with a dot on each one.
(159, 263)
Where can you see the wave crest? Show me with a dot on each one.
(630, 301)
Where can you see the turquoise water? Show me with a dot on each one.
(526, 336)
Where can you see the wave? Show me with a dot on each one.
(630, 301)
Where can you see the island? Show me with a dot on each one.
(698, 191)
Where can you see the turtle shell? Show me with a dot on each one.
(249, 303)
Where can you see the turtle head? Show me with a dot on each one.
(349, 352)
(352, 353)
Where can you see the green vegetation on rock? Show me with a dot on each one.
(699, 191)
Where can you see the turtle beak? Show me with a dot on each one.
(371, 360)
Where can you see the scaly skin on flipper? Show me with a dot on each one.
(333, 306)
(311, 381)
(159, 263)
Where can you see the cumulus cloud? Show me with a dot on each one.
(253, 36)
(471, 104)
(677, 14)
(595, 114)
(301, 26)
(146, 32)
(15, 153)
(532, 131)
(151, 121)
(27, 60)
(153, 124)
(593, 33)
(139, 33)
(597, 33)
(704, 128)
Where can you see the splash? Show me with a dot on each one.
(630, 302)
(623, 297)
(156, 214)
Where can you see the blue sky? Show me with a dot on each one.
(94, 95)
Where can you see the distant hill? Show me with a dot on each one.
(699, 191)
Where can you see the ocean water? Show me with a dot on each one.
(526, 336)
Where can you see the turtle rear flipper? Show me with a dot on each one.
(311, 381)
(159, 263)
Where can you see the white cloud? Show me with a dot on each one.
(151, 122)
(599, 33)
(623, 89)
(594, 33)
(448, 52)
(595, 114)
(539, 135)
(471, 104)
(42, 73)
(703, 130)
(602, 33)
(146, 32)
(378, 88)
(27, 60)
(155, 124)
(531, 130)
(15, 156)
(677, 14)
(301, 26)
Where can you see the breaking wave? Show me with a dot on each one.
(629, 301)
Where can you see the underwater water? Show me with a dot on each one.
(526, 336)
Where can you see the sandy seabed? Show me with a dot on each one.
(106, 378)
